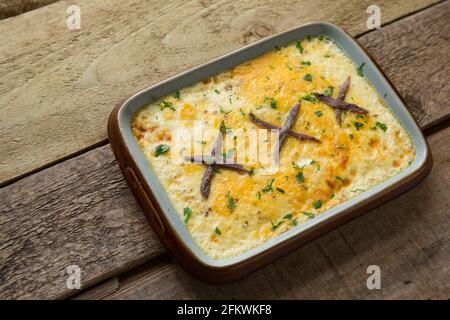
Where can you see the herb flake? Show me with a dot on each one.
(300, 177)
(360, 70)
(309, 98)
(358, 125)
(309, 214)
(160, 149)
(317, 204)
(299, 46)
(231, 204)
(167, 104)
(288, 217)
(223, 128)
(187, 213)
(280, 190)
(329, 91)
(318, 113)
(275, 226)
(269, 186)
(381, 125)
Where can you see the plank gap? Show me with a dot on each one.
(51, 164)
(13, 8)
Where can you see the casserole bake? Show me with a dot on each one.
(355, 151)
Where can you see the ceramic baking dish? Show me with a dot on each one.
(163, 217)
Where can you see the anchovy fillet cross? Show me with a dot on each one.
(213, 161)
(339, 104)
(285, 130)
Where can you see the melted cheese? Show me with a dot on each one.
(349, 160)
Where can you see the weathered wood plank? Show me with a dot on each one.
(408, 238)
(11, 8)
(78, 212)
(417, 61)
(84, 214)
(100, 291)
(69, 80)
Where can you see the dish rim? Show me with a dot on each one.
(119, 129)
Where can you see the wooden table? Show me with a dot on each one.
(63, 199)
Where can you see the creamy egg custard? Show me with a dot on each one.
(354, 151)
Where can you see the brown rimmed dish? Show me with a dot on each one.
(160, 212)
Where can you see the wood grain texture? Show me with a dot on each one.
(417, 61)
(81, 211)
(68, 81)
(100, 291)
(408, 238)
(11, 8)
(78, 212)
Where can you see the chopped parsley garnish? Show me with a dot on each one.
(292, 221)
(306, 63)
(329, 91)
(160, 149)
(309, 97)
(242, 111)
(314, 162)
(273, 102)
(381, 125)
(223, 111)
(217, 231)
(223, 128)
(350, 136)
(187, 213)
(358, 125)
(309, 214)
(177, 94)
(317, 204)
(280, 190)
(295, 165)
(251, 171)
(307, 77)
(321, 37)
(339, 178)
(258, 194)
(299, 46)
(360, 70)
(318, 113)
(230, 201)
(300, 177)
(275, 226)
(331, 195)
(167, 104)
(216, 91)
(269, 186)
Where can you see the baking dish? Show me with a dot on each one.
(163, 217)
